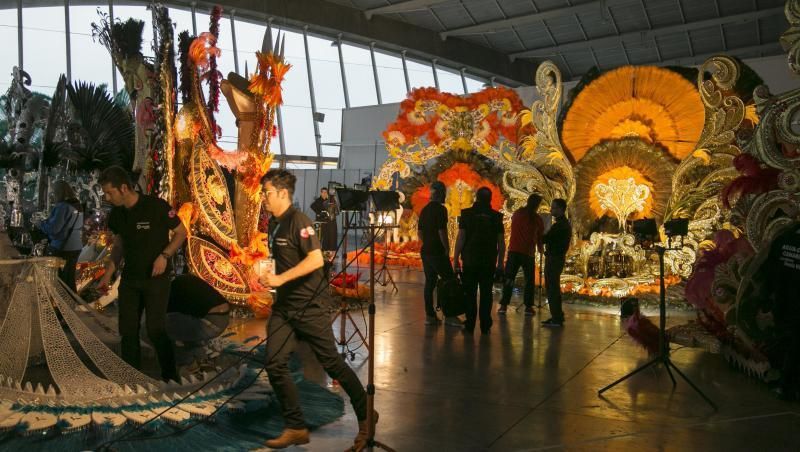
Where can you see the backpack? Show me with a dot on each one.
(450, 297)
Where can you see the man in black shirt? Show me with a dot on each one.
(297, 313)
(480, 241)
(556, 245)
(435, 252)
(141, 225)
(196, 314)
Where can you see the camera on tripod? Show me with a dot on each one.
(645, 231)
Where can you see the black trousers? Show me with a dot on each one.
(478, 278)
(148, 296)
(435, 267)
(313, 326)
(67, 274)
(553, 266)
(513, 263)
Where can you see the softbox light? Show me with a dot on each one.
(384, 201)
(676, 227)
(645, 229)
(350, 200)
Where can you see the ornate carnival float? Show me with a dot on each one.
(635, 142)
(58, 373)
(710, 145)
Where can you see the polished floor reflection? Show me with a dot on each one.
(525, 387)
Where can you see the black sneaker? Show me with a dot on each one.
(553, 323)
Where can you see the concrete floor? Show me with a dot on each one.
(525, 388)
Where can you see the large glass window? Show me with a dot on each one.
(449, 81)
(328, 92)
(8, 51)
(249, 37)
(420, 75)
(44, 45)
(91, 62)
(297, 118)
(360, 79)
(45, 59)
(181, 20)
(300, 165)
(475, 85)
(391, 77)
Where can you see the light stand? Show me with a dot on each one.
(382, 203)
(343, 313)
(663, 344)
(540, 269)
(538, 294)
(384, 276)
(371, 442)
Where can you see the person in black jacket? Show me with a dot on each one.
(435, 252)
(480, 242)
(556, 245)
(325, 212)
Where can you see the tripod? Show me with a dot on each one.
(540, 287)
(663, 344)
(537, 289)
(384, 276)
(371, 442)
(343, 312)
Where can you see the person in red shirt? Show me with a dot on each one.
(527, 229)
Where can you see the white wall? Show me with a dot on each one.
(362, 139)
(774, 70)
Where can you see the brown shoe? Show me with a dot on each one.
(289, 437)
(360, 443)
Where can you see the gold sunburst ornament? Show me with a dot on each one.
(622, 197)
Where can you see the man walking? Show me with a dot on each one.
(526, 237)
(435, 250)
(480, 241)
(141, 225)
(556, 245)
(298, 312)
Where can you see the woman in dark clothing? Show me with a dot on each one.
(325, 212)
(64, 229)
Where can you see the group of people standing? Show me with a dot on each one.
(480, 255)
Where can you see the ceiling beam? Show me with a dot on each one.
(402, 7)
(697, 60)
(647, 35)
(527, 19)
(701, 58)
